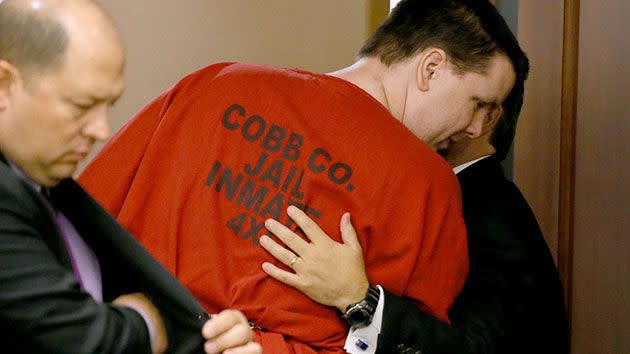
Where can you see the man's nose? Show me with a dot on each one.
(98, 126)
(475, 127)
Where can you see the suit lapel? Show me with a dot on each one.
(479, 173)
(51, 233)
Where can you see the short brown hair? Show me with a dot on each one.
(471, 32)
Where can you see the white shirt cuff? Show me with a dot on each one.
(360, 337)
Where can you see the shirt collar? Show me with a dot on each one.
(463, 166)
(21, 174)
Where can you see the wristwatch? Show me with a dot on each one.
(360, 314)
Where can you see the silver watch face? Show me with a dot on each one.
(359, 317)
(360, 314)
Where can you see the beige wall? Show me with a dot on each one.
(168, 39)
(537, 141)
(601, 271)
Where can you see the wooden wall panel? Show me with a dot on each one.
(537, 142)
(595, 205)
(568, 121)
(601, 271)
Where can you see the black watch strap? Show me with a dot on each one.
(360, 314)
(372, 298)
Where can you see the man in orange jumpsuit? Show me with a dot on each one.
(198, 171)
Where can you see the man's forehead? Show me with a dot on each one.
(496, 83)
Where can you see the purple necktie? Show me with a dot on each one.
(84, 262)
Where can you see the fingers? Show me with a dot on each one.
(348, 233)
(249, 348)
(280, 253)
(228, 329)
(310, 228)
(222, 322)
(293, 241)
(280, 275)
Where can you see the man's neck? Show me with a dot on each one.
(379, 81)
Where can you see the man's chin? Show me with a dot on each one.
(48, 180)
(60, 172)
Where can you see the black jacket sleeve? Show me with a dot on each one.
(127, 267)
(506, 307)
(477, 319)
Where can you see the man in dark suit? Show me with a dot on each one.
(512, 300)
(72, 280)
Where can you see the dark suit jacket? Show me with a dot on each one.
(41, 306)
(512, 301)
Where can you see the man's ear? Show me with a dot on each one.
(432, 62)
(9, 77)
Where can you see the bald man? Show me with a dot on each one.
(72, 280)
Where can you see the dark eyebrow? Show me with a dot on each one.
(116, 98)
(113, 102)
(92, 100)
